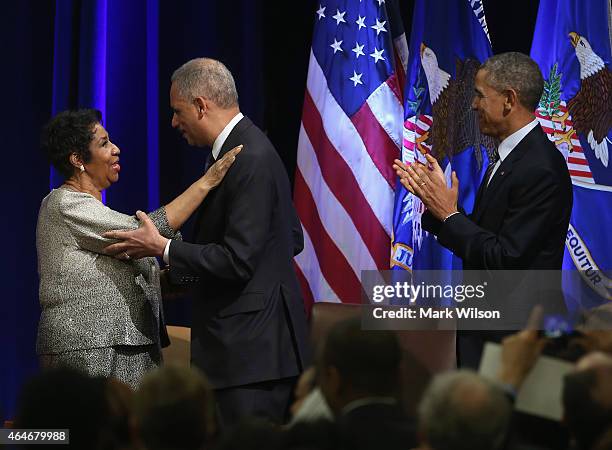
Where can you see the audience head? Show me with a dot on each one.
(508, 89)
(174, 409)
(67, 399)
(355, 364)
(461, 410)
(587, 399)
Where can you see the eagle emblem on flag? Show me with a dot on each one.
(591, 107)
(455, 123)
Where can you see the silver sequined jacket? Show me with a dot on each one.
(89, 299)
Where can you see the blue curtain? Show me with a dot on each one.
(99, 62)
(116, 56)
(27, 54)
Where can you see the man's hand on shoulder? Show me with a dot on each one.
(135, 244)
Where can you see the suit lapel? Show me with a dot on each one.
(481, 190)
(233, 139)
(487, 193)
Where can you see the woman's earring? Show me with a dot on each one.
(82, 168)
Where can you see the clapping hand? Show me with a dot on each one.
(429, 184)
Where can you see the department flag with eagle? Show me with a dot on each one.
(350, 134)
(448, 42)
(572, 44)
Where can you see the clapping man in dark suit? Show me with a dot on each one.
(249, 325)
(523, 206)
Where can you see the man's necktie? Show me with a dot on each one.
(492, 161)
(210, 160)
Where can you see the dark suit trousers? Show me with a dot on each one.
(267, 399)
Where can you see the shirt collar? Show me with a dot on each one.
(216, 148)
(508, 144)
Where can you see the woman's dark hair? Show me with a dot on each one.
(69, 132)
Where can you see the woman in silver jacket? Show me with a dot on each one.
(100, 314)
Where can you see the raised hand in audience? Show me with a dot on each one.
(520, 351)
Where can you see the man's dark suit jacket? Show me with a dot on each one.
(248, 321)
(377, 426)
(519, 222)
(521, 219)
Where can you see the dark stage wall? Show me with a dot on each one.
(119, 55)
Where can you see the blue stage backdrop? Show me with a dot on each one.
(118, 56)
(27, 56)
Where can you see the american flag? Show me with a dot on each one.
(351, 131)
(559, 130)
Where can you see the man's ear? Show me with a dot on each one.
(201, 105)
(511, 100)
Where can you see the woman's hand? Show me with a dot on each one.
(179, 209)
(217, 171)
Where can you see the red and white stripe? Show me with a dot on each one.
(344, 188)
(415, 128)
(577, 163)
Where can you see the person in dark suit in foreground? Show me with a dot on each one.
(360, 375)
(249, 324)
(523, 206)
